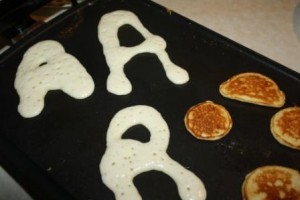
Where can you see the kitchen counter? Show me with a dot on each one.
(265, 26)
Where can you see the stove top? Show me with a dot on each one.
(20, 17)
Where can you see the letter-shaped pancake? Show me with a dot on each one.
(272, 182)
(253, 88)
(46, 66)
(126, 158)
(285, 127)
(117, 56)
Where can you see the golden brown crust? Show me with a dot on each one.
(272, 182)
(253, 88)
(208, 121)
(285, 127)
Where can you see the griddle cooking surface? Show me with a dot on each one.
(67, 140)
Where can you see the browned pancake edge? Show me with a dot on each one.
(252, 87)
(208, 121)
(271, 183)
(285, 127)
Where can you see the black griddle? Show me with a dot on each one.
(56, 155)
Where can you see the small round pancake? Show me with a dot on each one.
(271, 183)
(208, 121)
(253, 88)
(285, 127)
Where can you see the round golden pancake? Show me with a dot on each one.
(208, 121)
(285, 127)
(253, 88)
(272, 183)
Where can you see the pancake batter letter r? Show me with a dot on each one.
(117, 56)
(126, 158)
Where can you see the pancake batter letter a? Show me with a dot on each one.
(126, 158)
(46, 66)
(117, 56)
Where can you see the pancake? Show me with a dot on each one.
(117, 56)
(271, 183)
(253, 88)
(285, 127)
(208, 121)
(46, 66)
(125, 159)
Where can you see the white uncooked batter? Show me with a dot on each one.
(126, 158)
(117, 56)
(46, 66)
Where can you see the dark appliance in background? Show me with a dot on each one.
(16, 21)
